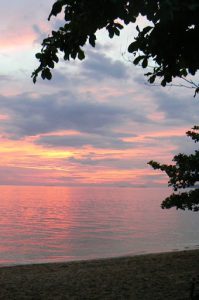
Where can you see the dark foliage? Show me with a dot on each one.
(183, 174)
(170, 41)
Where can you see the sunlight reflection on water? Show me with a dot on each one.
(48, 224)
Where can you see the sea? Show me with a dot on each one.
(58, 224)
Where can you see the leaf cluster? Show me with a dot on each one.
(183, 174)
(170, 41)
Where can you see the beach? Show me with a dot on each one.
(151, 276)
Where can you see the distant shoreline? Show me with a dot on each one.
(146, 276)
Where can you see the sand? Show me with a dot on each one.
(152, 276)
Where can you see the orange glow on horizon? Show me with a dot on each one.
(52, 166)
(30, 163)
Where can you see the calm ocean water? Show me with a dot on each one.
(48, 224)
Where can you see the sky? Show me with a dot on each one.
(96, 123)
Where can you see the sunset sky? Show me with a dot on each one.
(96, 122)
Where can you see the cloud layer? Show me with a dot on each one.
(95, 123)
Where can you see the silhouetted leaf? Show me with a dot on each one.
(163, 82)
(145, 62)
(81, 54)
(138, 59)
(152, 79)
(92, 39)
(116, 31)
(133, 47)
(46, 74)
(56, 9)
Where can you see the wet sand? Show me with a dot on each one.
(151, 276)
